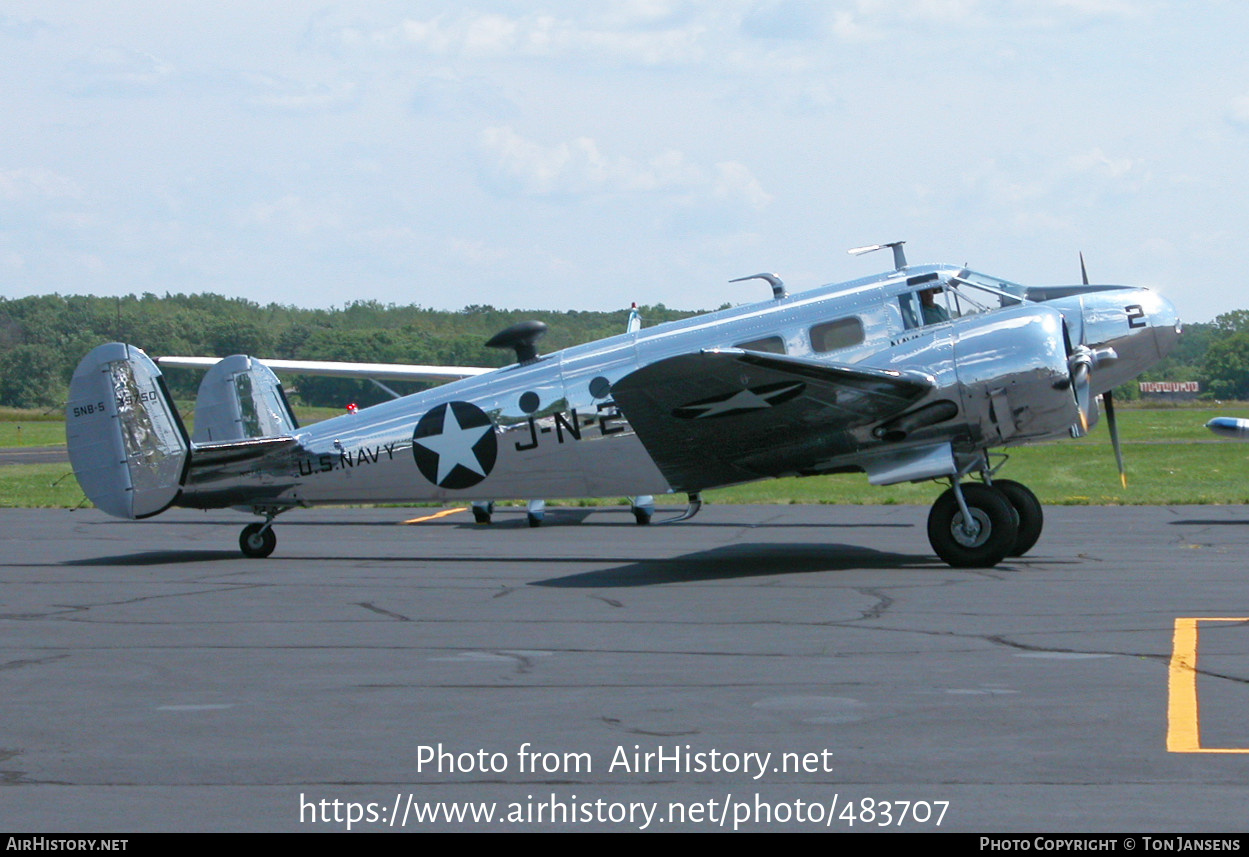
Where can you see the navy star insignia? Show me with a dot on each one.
(454, 445)
(741, 401)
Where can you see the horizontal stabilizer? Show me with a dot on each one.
(206, 455)
(720, 417)
(126, 441)
(334, 369)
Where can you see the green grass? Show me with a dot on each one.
(1169, 459)
(39, 486)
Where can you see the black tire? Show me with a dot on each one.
(534, 520)
(998, 528)
(1028, 508)
(483, 514)
(257, 541)
(642, 516)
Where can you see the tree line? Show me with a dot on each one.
(42, 339)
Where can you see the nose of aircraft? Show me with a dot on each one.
(1163, 320)
(1138, 325)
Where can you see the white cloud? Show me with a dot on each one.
(281, 93)
(1238, 110)
(474, 252)
(545, 36)
(36, 183)
(22, 27)
(1121, 170)
(292, 213)
(120, 71)
(1115, 8)
(579, 168)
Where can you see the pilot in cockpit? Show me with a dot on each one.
(932, 311)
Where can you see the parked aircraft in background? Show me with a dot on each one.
(1237, 429)
(851, 377)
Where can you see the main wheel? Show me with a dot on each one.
(642, 515)
(257, 541)
(1028, 507)
(990, 536)
(483, 512)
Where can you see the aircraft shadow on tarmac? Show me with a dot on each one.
(159, 557)
(740, 561)
(722, 563)
(1221, 522)
(581, 517)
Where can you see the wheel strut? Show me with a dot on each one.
(258, 540)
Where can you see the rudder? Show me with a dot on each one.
(126, 441)
(240, 399)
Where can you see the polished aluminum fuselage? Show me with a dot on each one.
(560, 434)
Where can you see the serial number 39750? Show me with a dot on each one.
(124, 400)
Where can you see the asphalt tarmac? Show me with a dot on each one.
(760, 667)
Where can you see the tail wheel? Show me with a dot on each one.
(257, 541)
(1028, 508)
(980, 543)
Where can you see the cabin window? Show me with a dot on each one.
(768, 345)
(833, 335)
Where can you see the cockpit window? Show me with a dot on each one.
(768, 345)
(923, 307)
(972, 278)
(933, 306)
(833, 335)
(991, 291)
(969, 297)
(910, 315)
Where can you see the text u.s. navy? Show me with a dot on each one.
(914, 374)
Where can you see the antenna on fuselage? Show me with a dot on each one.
(778, 285)
(522, 338)
(899, 257)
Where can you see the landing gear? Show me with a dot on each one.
(972, 526)
(643, 508)
(482, 512)
(1028, 508)
(258, 540)
(535, 511)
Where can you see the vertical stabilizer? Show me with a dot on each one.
(126, 441)
(239, 399)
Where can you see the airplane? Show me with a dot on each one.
(846, 377)
(1233, 427)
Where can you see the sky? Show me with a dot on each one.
(585, 155)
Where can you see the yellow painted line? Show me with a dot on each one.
(1183, 734)
(1183, 725)
(436, 515)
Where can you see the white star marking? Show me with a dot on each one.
(744, 400)
(454, 445)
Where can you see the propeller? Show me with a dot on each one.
(1082, 362)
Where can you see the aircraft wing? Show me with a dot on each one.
(721, 417)
(381, 371)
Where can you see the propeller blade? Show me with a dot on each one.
(1081, 363)
(1109, 401)
(1084, 274)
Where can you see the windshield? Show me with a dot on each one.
(974, 278)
